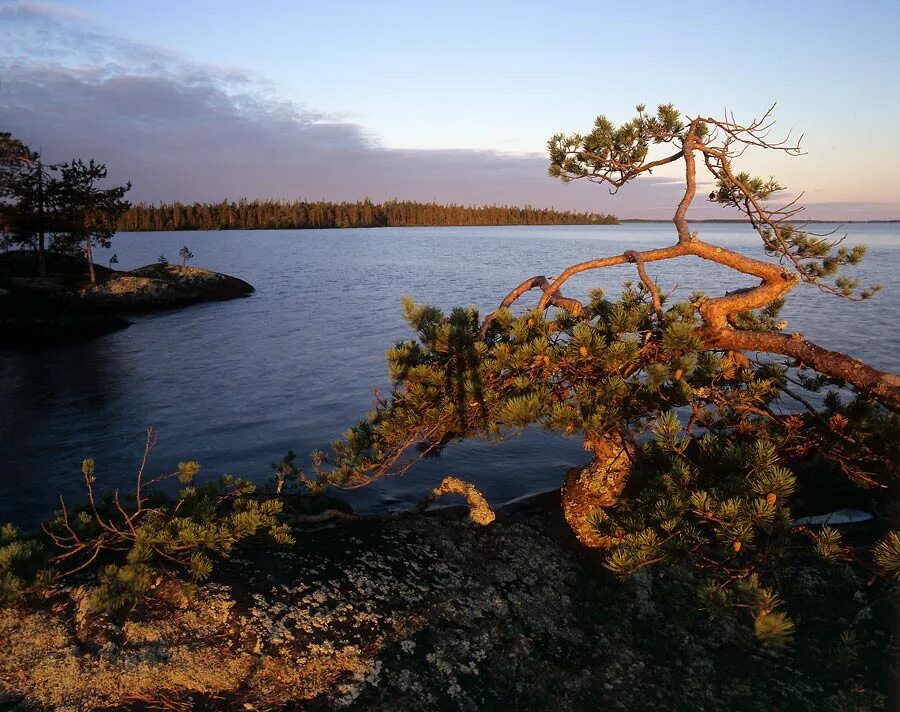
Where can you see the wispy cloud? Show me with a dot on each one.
(181, 130)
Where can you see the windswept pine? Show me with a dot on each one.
(693, 459)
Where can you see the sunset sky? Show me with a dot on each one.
(451, 101)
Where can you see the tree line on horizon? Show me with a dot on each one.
(302, 214)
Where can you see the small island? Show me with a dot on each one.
(64, 305)
(51, 289)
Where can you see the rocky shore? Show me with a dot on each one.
(161, 286)
(64, 306)
(430, 612)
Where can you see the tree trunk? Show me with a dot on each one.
(596, 486)
(883, 386)
(42, 261)
(90, 260)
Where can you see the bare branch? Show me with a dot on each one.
(645, 278)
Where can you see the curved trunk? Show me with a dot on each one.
(596, 486)
(883, 386)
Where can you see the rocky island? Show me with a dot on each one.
(65, 306)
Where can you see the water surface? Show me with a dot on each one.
(235, 384)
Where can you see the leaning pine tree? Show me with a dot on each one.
(685, 409)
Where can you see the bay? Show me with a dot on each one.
(235, 384)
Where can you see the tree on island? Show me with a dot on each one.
(23, 181)
(61, 200)
(85, 214)
(185, 254)
(694, 414)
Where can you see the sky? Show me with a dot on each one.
(447, 101)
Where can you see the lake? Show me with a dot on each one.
(235, 384)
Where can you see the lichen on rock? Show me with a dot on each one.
(411, 613)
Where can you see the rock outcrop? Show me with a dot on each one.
(161, 286)
(408, 613)
(65, 307)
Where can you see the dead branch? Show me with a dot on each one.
(648, 283)
(480, 511)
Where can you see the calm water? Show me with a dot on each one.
(235, 384)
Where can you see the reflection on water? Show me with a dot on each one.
(235, 384)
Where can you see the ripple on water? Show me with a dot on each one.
(235, 384)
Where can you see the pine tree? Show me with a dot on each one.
(185, 254)
(692, 461)
(85, 214)
(24, 180)
(127, 544)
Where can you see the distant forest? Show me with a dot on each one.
(300, 214)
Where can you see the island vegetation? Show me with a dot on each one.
(64, 201)
(302, 214)
(717, 447)
(51, 290)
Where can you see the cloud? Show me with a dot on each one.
(180, 130)
(848, 210)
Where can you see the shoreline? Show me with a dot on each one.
(619, 222)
